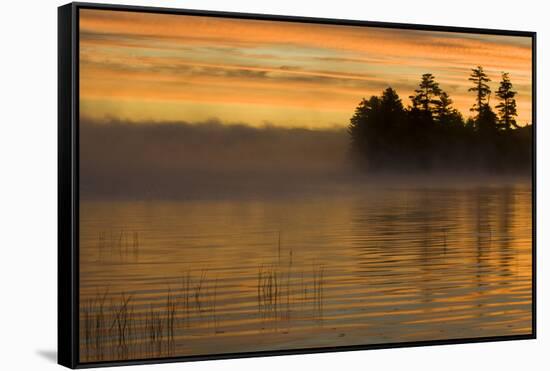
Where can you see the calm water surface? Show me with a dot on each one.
(164, 278)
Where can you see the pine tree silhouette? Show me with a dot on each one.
(482, 90)
(507, 110)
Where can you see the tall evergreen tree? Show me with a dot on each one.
(482, 90)
(445, 113)
(363, 124)
(376, 129)
(507, 106)
(486, 123)
(445, 102)
(425, 97)
(391, 102)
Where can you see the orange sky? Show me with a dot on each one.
(143, 66)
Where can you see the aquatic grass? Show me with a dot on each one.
(160, 325)
(121, 326)
(124, 242)
(445, 240)
(135, 243)
(303, 290)
(120, 242)
(279, 248)
(170, 317)
(154, 329)
(199, 298)
(268, 291)
(279, 287)
(213, 306)
(318, 282)
(185, 297)
(198, 291)
(288, 285)
(116, 331)
(101, 243)
(95, 323)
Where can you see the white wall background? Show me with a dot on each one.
(28, 181)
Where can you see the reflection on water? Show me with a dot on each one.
(161, 278)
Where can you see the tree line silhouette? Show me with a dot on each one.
(430, 134)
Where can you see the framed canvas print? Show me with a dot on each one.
(235, 185)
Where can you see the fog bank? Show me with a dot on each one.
(187, 160)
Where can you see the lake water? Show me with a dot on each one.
(374, 265)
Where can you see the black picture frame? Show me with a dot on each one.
(68, 182)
